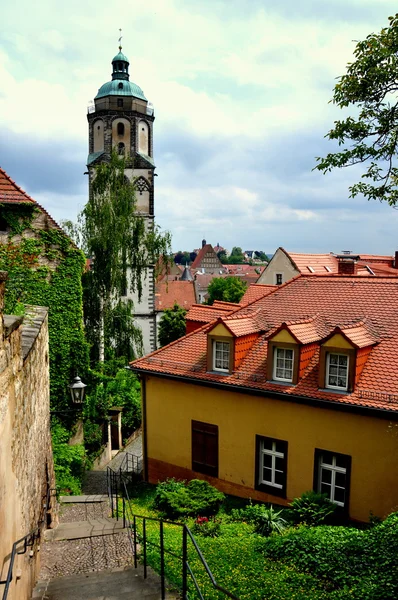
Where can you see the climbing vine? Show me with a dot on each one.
(45, 268)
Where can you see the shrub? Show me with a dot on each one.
(69, 461)
(265, 519)
(312, 508)
(176, 499)
(206, 527)
(363, 562)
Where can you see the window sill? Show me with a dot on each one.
(278, 382)
(333, 391)
(222, 373)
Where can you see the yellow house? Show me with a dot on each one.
(296, 391)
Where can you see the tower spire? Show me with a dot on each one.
(120, 40)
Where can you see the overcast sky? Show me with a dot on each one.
(240, 90)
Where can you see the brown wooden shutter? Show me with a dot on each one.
(205, 448)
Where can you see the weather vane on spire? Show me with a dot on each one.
(120, 40)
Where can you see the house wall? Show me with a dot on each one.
(26, 464)
(278, 264)
(372, 443)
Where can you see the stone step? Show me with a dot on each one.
(115, 584)
(83, 499)
(83, 529)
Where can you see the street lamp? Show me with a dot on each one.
(77, 389)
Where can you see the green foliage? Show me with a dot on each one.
(356, 564)
(265, 519)
(206, 527)
(69, 461)
(177, 499)
(57, 286)
(172, 324)
(312, 508)
(120, 388)
(228, 289)
(121, 246)
(370, 86)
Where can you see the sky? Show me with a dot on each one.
(241, 92)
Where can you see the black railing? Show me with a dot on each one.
(28, 541)
(131, 464)
(140, 543)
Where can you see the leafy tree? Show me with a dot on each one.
(172, 324)
(261, 255)
(222, 255)
(121, 247)
(236, 256)
(178, 258)
(370, 85)
(229, 289)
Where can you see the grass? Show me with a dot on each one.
(236, 559)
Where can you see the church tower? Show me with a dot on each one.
(121, 118)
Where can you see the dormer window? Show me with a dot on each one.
(221, 356)
(120, 86)
(283, 364)
(337, 371)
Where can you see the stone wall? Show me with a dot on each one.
(26, 465)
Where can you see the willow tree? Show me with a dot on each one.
(121, 247)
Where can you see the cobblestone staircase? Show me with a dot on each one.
(89, 557)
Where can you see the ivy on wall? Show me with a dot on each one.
(45, 268)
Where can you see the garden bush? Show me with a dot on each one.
(206, 527)
(312, 508)
(69, 461)
(265, 519)
(177, 499)
(362, 564)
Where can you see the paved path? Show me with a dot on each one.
(95, 481)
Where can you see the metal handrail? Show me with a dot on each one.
(120, 491)
(28, 541)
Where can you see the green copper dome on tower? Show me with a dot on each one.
(120, 84)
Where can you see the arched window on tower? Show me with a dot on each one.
(120, 128)
(121, 149)
(120, 86)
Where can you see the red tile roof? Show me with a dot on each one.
(197, 263)
(359, 335)
(307, 331)
(342, 301)
(11, 193)
(256, 291)
(367, 265)
(168, 293)
(207, 314)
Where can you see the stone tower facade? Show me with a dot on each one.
(121, 118)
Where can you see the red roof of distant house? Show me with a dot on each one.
(11, 193)
(368, 264)
(363, 308)
(256, 291)
(197, 263)
(171, 292)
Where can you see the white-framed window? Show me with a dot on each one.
(336, 371)
(221, 352)
(283, 364)
(333, 473)
(271, 466)
(271, 463)
(278, 278)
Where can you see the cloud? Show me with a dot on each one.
(241, 93)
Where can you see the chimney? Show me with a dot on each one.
(396, 260)
(346, 267)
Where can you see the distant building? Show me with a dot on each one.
(168, 293)
(207, 260)
(285, 265)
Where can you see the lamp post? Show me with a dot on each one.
(77, 389)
